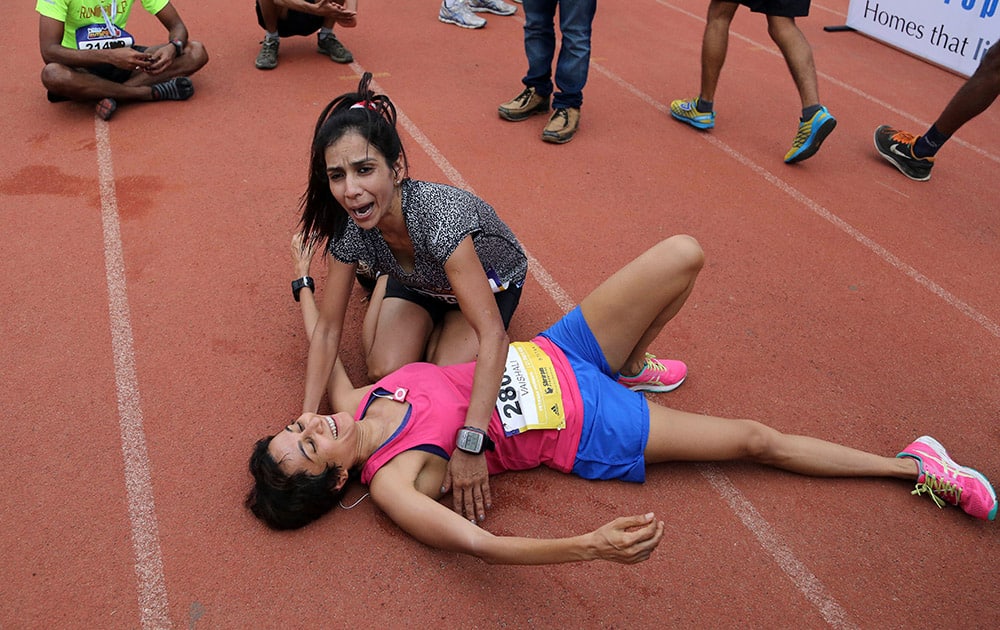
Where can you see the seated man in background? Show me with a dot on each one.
(89, 55)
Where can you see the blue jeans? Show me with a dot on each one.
(575, 20)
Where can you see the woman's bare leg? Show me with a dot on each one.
(629, 309)
(370, 322)
(454, 341)
(400, 337)
(681, 436)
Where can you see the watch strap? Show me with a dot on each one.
(178, 46)
(302, 283)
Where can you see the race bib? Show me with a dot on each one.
(101, 37)
(530, 397)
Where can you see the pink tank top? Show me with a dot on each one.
(439, 400)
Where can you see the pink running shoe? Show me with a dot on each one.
(947, 482)
(656, 375)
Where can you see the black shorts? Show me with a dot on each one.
(507, 301)
(103, 70)
(780, 8)
(294, 23)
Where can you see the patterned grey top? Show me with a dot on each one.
(438, 217)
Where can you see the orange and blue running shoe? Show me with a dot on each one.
(947, 482)
(656, 375)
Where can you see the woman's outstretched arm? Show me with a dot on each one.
(627, 540)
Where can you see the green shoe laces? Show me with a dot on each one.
(936, 487)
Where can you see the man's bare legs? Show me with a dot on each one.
(816, 122)
(914, 155)
(715, 45)
(975, 95)
(79, 85)
(798, 56)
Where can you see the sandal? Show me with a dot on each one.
(106, 108)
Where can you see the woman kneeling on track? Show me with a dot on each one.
(560, 407)
(451, 270)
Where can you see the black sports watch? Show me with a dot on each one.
(302, 283)
(178, 46)
(473, 441)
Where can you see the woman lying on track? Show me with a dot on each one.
(560, 407)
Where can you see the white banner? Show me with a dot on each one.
(953, 33)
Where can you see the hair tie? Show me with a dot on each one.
(365, 104)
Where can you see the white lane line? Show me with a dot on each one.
(992, 327)
(138, 484)
(807, 583)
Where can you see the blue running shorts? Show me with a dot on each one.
(615, 418)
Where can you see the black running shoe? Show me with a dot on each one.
(897, 147)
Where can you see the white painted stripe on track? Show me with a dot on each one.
(807, 583)
(152, 588)
(773, 50)
(810, 586)
(992, 327)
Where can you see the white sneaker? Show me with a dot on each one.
(497, 7)
(460, 15)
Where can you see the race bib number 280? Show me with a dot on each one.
(530, 397)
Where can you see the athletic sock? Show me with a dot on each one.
(928, 144)
(324, 32)
(703, 106)
(272, 36)
(810, 111)
(176, 89)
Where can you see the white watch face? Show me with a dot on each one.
(470, 441)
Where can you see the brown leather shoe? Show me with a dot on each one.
(562, 125)
(524, 105)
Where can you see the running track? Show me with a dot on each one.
(149, 336)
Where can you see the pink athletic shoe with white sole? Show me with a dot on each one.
(947, 482)
(656, 375)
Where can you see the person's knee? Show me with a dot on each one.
(199, 55)
(54, 76)
(720, 13)
(381, 366)
(761, 443)
(780, 28)
(687, 251)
